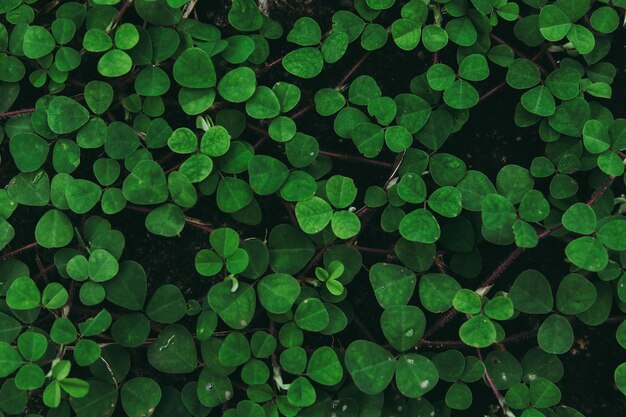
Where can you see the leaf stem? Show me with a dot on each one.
(386, 252)
(352, 70)
(270, 66)
(118, 16)
(517, 52)
(16, 113)
(489, 381)
(19, 250)
(358, 159)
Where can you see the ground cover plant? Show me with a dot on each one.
(365, 208)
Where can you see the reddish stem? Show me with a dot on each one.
(19, 250)
(378, 251)
(492, 91)
(45, 271)
(270, 66)
(16, 113)
(352, 70)
(489, 381)
(517, 52)
(119, 15)
(313, 261)
(358, 159)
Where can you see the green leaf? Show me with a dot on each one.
(340, 191)
(539, 101)
(345, 224)
(167, 220)
(334, 47)
(115, 63)
(459, 396)
(461, 31)
(99, 401)
(564, 83)
(305, 32)
(278, 292)
(604, 19)
(311, 315)
(403, 326)
(474, 186)
(289, 249)
(233, 194)
(304, 62)
(245, 16)
(29, 151)
(23, 294)
(237, 85)
(587, 253)
(324, 367)
(29, 377)
(313, 214)
(370, 366)
(267, 174)
(416, 375)
(146, 184)
(478, 332)
(413, 112)
(374, 37)
(612, 233)
(474, 68)
(392, 284)
(406, 34)
(10, 360)
(235, 350)
(32, 189)
(555, 335)
(236, 308)
(434, 38)
(54, 229)
(82, 195)
(436, 292)
(499, 308)
(467, 301)
(579, 218)
(420, 226)
(38, 42)
(620, 377)
(66, 115)
(446, 201)
(128, 288)
(523, 74)
(582, 39)
(575, 294)
(553, 23)
(263, 104)
(140, 396)
(497, 211)
(301, 393)
(102, 265)
(167, 305)
(224, 241)
(531, 293)
(158, 12)
(544, 393)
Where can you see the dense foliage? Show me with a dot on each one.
(325, 265)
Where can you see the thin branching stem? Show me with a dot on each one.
(19, 250)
